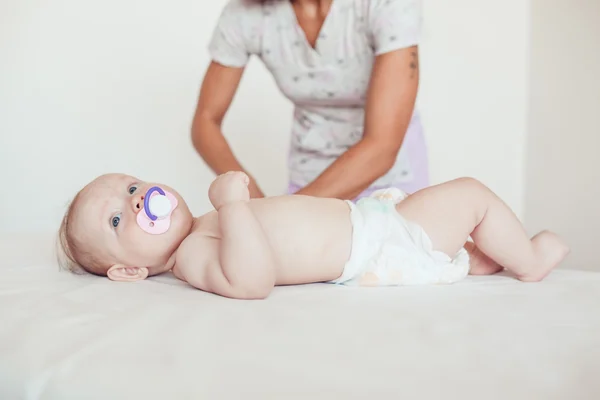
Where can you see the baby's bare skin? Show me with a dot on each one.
(310, 239)
(295, 239)
(246, 247)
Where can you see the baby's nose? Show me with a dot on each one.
(137, 203)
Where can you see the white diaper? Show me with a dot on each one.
(389, 250)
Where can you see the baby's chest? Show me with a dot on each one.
(198, 253)
(304, 230)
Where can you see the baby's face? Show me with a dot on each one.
(122, 231)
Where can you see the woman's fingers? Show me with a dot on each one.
(255, 191)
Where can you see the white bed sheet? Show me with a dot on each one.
(72, 337)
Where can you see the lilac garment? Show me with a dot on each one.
(327, 83)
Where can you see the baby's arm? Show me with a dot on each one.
(245, 255)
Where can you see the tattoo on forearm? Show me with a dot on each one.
(414, 64)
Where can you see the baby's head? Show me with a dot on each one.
(124, 228)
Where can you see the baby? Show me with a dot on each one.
(127, 230)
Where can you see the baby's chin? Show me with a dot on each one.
(180, 229)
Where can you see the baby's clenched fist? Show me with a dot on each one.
(229, 188)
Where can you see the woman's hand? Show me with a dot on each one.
(255, 192)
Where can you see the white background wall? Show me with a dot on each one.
(563, 163)
(93, 87)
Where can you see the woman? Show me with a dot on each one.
(351, 69)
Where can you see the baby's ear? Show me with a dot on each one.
(123, 273)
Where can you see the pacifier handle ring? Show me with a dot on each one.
(147, 201)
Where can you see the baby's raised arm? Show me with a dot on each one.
(241, 263)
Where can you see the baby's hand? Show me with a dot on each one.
(228, 188)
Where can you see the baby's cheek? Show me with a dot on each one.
(181, 221)
(138, 244)
(145, 249)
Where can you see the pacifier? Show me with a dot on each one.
(155, 218)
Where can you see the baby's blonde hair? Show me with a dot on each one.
(73, 254)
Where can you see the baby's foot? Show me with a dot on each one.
(480, 264)
(551, 250)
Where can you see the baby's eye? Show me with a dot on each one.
(132, 189)
(115, 220)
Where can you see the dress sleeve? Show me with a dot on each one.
(394, 24)
(228, 44)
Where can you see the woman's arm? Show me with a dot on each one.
(390, 103)
(218, 89)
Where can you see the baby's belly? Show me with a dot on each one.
(310, 237)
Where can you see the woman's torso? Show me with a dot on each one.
(328, 83)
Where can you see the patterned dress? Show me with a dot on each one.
(327, 83)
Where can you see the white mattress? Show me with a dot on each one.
(68, 337)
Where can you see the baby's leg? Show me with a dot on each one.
(452, 211)
(480, 264)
